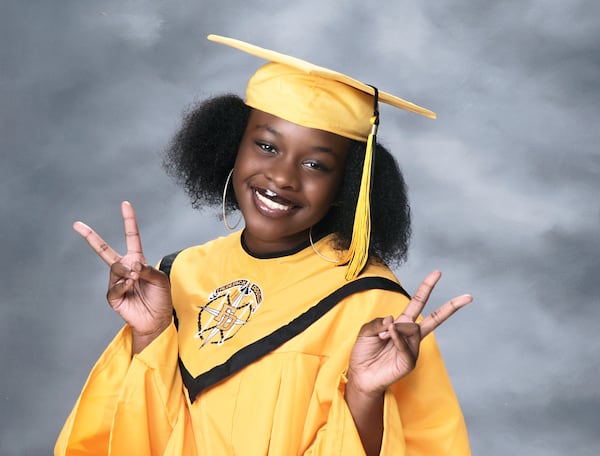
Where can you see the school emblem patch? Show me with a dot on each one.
(229, 307)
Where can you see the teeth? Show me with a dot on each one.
(272, 204)
(270, 193)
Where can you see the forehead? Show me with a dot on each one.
(260, 121)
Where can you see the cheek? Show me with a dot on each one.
(244, 159)
(334, 190)
(238, 173)
(326, 194)
(238, 157)
(236, 182)
(241, 163)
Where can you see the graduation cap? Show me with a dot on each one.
(316, 97)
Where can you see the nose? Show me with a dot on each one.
(283, 172)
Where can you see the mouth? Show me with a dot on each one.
(270, 201)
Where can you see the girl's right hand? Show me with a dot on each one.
(139, 293)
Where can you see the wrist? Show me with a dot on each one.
(366, 408)
(151, 332)
(362, 389)
(141, 340)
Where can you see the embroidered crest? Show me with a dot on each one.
(229, 307)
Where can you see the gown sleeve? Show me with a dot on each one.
(131, 405)
(340, 437)
(422, 415)
(432, 418)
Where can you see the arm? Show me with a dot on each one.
(387, 350)
(417, 415)
(367, 412)
(133, 397)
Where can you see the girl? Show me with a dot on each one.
(291, 335)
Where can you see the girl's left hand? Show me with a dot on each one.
(386, 349)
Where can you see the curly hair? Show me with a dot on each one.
(203, 151)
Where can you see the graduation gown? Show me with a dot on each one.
(254, 364)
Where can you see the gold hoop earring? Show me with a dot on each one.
(229, 227)
(312, 244)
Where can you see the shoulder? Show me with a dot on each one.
(377, 292)
(198, 254)
(377, 273)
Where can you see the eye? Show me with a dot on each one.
(316, 165)
(266, 147)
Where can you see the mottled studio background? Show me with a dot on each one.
(505, 185)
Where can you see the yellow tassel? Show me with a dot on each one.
(358, 252)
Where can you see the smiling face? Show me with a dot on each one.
(285, 179)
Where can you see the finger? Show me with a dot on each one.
(418, 301)
(117, 290)
(120, 272)
(385, 334)
(132, 234)
(375, 327)
(406, 337)
(150, 274)
(104, 251)
(442, 313)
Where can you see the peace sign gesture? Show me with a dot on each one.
(139, 293)
(387, 349)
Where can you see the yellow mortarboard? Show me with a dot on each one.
(316, 97)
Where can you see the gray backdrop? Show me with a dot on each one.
(504, 185)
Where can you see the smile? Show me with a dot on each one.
(271, 202)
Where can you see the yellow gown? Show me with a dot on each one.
(254, 363)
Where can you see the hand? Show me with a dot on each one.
(387, 349)
(139, 293)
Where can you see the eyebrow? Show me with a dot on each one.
(274, 132)
(268, 128)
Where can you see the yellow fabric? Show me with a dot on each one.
(336, 90)
(310, 101)
(288, 402)
(280, 278)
